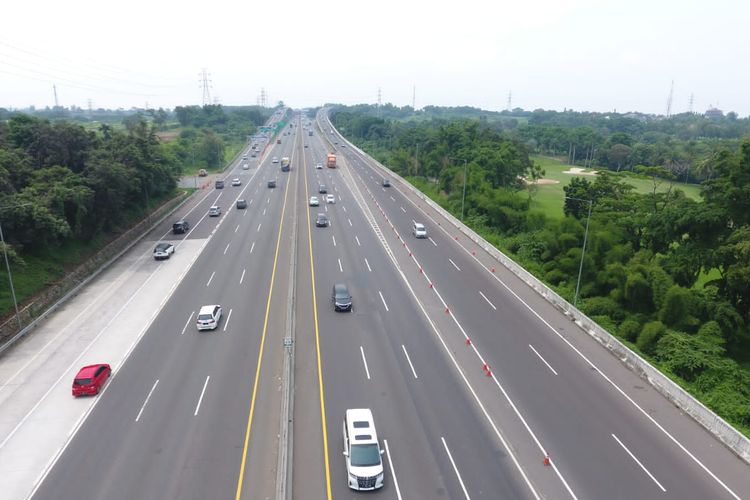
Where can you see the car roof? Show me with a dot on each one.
(361, 426)
(418, 225)
(163, 244)
(208, 309)
(340, 287)
(88, 371)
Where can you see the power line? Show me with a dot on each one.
(47, 78)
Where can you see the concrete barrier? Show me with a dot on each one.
(712, 422)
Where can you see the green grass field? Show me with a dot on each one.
(549, 197)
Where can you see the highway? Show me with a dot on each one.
(472, 378)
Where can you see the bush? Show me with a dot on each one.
(629, 329)
(676, 306)
(650, 335)
(687, 356)
(603, 306)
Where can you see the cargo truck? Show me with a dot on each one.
(331, 162)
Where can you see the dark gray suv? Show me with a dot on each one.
(342, 300)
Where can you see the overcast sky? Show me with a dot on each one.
(553, 54)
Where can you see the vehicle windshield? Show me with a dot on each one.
(365, 455)
(82, 381)
(205, 317)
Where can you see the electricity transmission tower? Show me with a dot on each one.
(205, 83)
(509, 106)
(669, 100)
(54, 89)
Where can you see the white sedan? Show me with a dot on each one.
(314, 201)
(236, 181)
(330, 198)
(319, 166)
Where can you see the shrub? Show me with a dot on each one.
(650, 335)
(603, 306)
(629, 329)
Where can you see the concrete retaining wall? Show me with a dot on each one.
(727, 434)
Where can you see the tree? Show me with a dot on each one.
(211, 149)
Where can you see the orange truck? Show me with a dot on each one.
(331, 162)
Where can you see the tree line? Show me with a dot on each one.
(665, 273)
(61, 182)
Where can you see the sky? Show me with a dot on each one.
(586, 55)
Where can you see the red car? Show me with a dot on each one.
(91, 379)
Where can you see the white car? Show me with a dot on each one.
(319, 166)
(245, 166)
(214, 211)
(163, 250)
(364, 464)
(330, 198)
(236, 181)
(208, 317)
(418, 230)
(275, 160)
(314, 201)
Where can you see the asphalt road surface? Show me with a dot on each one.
(472, 378)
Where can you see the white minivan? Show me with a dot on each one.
(364, 464)
(418, 230)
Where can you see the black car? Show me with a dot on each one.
(322, 189)
(386, 183)
(272, 183)
(180, 227)
(322, 221)
(241, 203)
(219, 184)
(342, 300)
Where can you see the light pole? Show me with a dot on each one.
(7, 266)
(463, 196)
(583, 251)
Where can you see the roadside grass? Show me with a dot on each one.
(549, 198)
(43, 268)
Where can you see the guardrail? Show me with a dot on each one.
(720, 428)
(69, 286)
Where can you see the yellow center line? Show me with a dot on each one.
(317, 343)
(262, 344)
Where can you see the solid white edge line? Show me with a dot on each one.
(226, 323)
(368, 265)
(639, 464)
(615, 386)
(454, 264)
(476, 397)
(184, 328)
(145, 402)
(543, 360)
(488, 300)
(409, 360)
(383, 299)
(455, 469)
(243, 276)
(200, 399)
(209, 279)
(393, 471)
(364, 360)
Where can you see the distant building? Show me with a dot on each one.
(714, 113)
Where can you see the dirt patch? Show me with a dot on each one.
(579, 171)
(541, 182)
(167, 136)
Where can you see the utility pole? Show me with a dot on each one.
(380, 101)
(583, 250)
(205, 83)
(669, 100)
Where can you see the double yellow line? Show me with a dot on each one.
(246, 444)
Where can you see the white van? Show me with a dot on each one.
(418, 230)
(364, 464)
